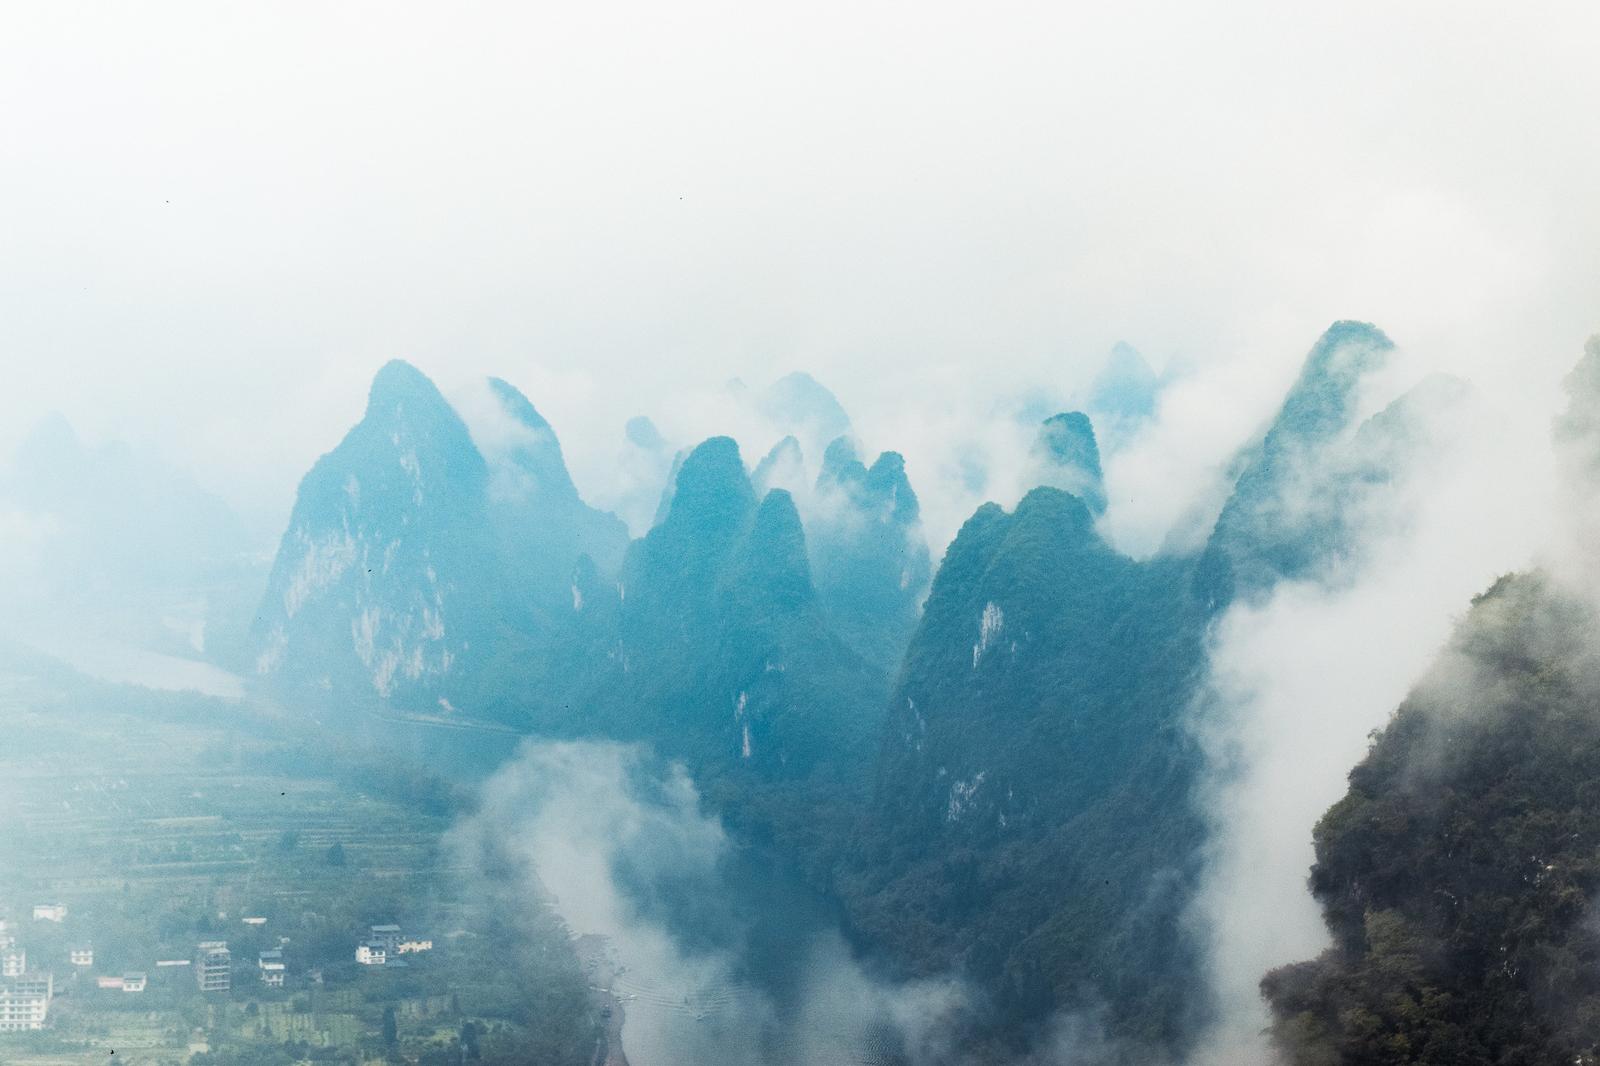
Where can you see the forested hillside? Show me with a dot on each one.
(1458, 875)
(1033, 821)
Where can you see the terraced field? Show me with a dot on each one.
(161, 830)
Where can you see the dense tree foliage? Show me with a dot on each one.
(715, 647)
(1035, 777)
(1458, 875)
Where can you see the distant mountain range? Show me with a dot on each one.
(108, 542)
(989, 767)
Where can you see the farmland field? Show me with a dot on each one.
(164, 820)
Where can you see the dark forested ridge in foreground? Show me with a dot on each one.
(1458, 875)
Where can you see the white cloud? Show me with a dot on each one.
(1299, 681)
(219, 222)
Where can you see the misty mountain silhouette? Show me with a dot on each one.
(998, 783)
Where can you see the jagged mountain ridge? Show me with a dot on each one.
(1284, 514)
(1041, 649)
(1034, 822)
(411, 560)
(869, 551)
(448, 570)
(722, 653)
(720, 641)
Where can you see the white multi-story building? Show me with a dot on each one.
(13, 962)
(49, 912)
(411, 947)
(25, 1002)
(213, 966)
(81, 956)
(133, 982)
(373, 954)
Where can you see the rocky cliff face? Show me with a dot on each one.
(412, 562)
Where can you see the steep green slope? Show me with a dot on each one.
(1034, 823)
(1031, 822)
(715, 647)
(417, 574)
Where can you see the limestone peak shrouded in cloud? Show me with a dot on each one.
(379, 591)
(1275, 521)
(415, 549)
(799, 405)
(1066, 457)
(784, 466)
(869, 550)
(1126, 385)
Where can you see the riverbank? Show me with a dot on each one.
(601, 967)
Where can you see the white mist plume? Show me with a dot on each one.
(611, 837)
(1298, 682)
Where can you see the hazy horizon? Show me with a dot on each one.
(238, 218)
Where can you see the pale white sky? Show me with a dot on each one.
(218, 219)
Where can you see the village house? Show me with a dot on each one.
(387, 935)
(81, 956)
(49, 912)
(270, 963)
